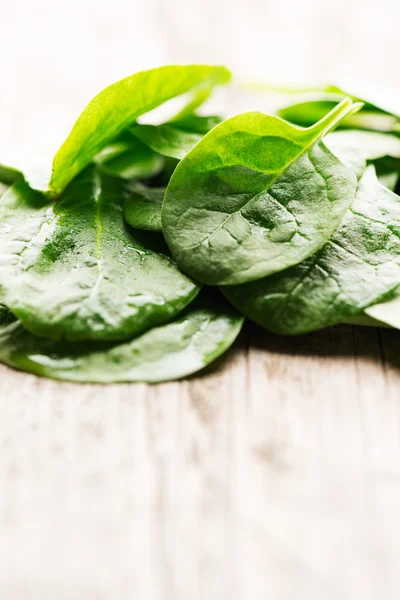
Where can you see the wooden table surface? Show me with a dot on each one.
(275, 474)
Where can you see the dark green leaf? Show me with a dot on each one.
(130, 158)
(357, 267)
(194, 339)
(196, 123)
(177, 138)
(73, 270)
(8, 175)
(167, 139)
(254, 197)
(142, 208)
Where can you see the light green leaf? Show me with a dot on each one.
(111, 112)
(254, 197)
(72, 269)
(357, 267)
(202, 333)
(142, 208)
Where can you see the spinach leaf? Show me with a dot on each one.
(112, 111)
(129, 158)
(167, 139)
(356, 148)
(357, 267)
(72, 269)
(175, 139)
(8, 175)
(371, 145)
(377, 99)
(254, 197)
(381, 111)
(311, 109)
(196, 123)
(348, 151)
(142, 207)
(199, 335)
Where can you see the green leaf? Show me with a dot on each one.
(129, 158)
(348, 151)
(112, 111)
(72, 269)
(254, 197)
(8, 175)
(196, 123)
(356, 148)
(375, 98)
(199, 335)
(177, 138)
(371, 145)
(381, 111)
(142, 208)
(357, 267)
(311, 109)
(167, 139)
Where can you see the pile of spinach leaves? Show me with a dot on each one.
(108, 255)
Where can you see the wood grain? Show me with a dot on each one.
(276, 474)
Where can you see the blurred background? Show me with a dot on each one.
(55, 55)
